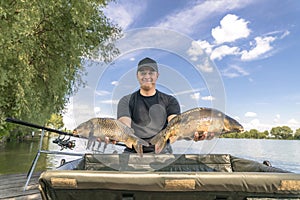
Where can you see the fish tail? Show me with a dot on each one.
(139, 149)
(160, 145)
(159, 141)
(139, 146)
(142, 142)
(157, 137)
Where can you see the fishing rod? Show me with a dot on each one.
(62, 142)
(17, 121)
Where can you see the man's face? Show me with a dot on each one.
(147, 78)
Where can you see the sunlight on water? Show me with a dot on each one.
(283, 154)
(17, 157)
(54, 160)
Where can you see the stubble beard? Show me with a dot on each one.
(148, 87)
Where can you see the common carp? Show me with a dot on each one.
(200, 120)
(103, 128)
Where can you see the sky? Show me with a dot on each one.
(241, 57)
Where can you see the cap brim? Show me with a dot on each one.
(147, 66)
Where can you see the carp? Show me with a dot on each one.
(201, 120)
(112, 129)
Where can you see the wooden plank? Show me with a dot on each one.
(18, 192)
(30, 196)
(12, 187)
(9, 180)
(19, 185)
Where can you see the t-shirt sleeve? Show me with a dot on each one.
(123, 107)
(173, 106)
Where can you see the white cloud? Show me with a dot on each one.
(208, 98)
(205, 46)
(101, 92)
(115, 83)
(194, 51)
(222, 51)
(195, 96)
(205, 66)
(261, 46)
(124, 14)
(250, 114)
(234, 71)
(231, 28)
(187, 18)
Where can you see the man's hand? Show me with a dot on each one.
(107, 140)
(205, 135)
(124, 120)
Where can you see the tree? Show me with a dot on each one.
(282, 132)
(42, 46)
(297, 134)
(55, 121)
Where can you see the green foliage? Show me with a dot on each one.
(253, 133)
(42, 46)
(282, 132)
(297, 134)
(55, 121)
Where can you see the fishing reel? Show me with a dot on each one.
(64, 143)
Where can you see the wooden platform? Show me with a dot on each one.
(12, 187)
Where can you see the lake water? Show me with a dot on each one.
(17, 157)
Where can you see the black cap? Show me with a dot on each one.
(148, 62)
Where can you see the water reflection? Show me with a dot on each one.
(17, 157)
(54, 160)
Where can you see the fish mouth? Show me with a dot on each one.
(75, 132)
(239, 130)
(235, 130)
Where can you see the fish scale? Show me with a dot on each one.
(102, 128)
(201, 120)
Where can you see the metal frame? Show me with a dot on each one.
(40, 150)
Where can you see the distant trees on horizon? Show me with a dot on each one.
(279, 132)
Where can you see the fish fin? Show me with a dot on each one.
(142, 142)
(173, 139)
(159, 142)
(139, 141)
(139, 149)
(157, 137)
(160, 145)
(105, 145)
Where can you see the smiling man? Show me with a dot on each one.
(147, 110)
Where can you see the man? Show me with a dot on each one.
(148, 110)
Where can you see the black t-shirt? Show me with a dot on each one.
(148, 113)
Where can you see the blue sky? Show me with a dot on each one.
(241, 57)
